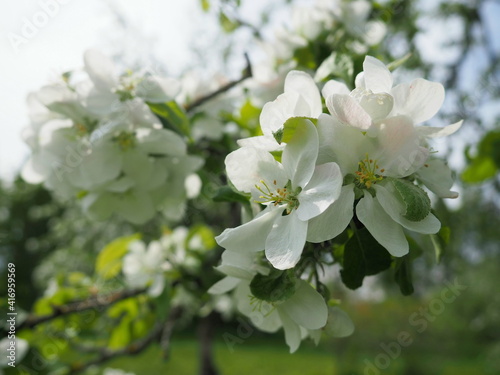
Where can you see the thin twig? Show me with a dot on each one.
(247, 73)
(168, 329)
(91, 303)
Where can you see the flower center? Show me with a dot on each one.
(368, 173)
(278, 196)
(126, 140)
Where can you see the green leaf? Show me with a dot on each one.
(205, 5)
(172, 116)
(402, 274)
(227, 24)
(440, 241)
(121, 335)
(227, 194)
(109, 260)
(363, 256)
(397, 63)
(418, 204)
(291, 127)
(487, 162)
(482, 168)
(277, 286)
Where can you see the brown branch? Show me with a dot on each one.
(160, 330)
(168, 329)
(247, 73)
(88, 304)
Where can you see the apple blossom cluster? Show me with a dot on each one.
(317, 175)
(94, 138)
(146, 265)
(337, 23)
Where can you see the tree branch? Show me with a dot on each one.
(247, 73)
(88, 304)
(160, 330)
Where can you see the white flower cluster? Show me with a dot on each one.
(148, 265)
(95, 139)
(314, 172)
(332, 20)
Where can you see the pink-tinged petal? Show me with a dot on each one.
(285, 242)
(300, 154)
(320, 192)
(335, 219)
(251, 236)
(395, 207)
(420, 99)
(334, 87)
(434, 132)
(247, 166)
(303, 84)
(348, 111)
(386, 231)
(377, 77)
(437, 176)
(400, 153)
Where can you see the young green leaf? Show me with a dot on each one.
(277, 286)
(363, 256)
(418, 204)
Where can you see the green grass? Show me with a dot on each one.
(251, 358)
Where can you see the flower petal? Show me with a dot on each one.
(434, 132)
(335, 219)
(420, 99)
(395, 207)
(303, 84)
(376, 75)
(285, 242)
(342, 144)
(437, 176)
(378, 106)
(334, 87)
(321, 191)
(348, 111)
(265, 316)
(339, 323)
(401, 152)
(250, 236)
(225, 285)
(247, 166)
(300, 154)
(100, 69)
(306, 307)
(261, 142)
(293, 335)
(386, 231)
(161, 141)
